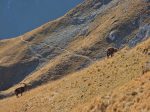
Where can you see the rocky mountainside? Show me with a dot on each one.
(64, 61)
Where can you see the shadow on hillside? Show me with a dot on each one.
(106, 1)
(16, 73)
(73, 64)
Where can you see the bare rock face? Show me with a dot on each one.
(113, 35)
(143, 34)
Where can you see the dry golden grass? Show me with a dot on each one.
(106, 23)
(132, 97)
(102, 26)
(99, 78)
(10, 50)
(78, 88)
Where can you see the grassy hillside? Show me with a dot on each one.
(64, 61)
(78, 88)
(132, 97)
(70, 43)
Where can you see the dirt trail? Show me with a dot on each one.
(62, 49)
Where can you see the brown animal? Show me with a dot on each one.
(20, 90)
(110, 51)
(145, 51)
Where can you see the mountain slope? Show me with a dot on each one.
(78, 88)
(63, 62)
(71, 42)
(132, 97)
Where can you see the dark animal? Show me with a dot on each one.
(145, 51)
(20, 90)
(110, 51)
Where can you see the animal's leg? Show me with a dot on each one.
(145, 51)
(17, 95)
(111, 55)
(107, 55)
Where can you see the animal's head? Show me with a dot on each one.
(25, 85)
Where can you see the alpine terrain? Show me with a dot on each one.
(63, 65)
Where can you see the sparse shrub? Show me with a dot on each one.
(134, 93)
